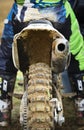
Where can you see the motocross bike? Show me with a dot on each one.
(39, 51)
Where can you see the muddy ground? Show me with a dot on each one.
(69, 111)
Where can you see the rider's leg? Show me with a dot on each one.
(7, 72)
(77, 81)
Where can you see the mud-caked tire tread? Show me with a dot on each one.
(40, 112)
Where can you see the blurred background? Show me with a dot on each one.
(5, 6)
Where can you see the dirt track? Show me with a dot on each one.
(70, 122)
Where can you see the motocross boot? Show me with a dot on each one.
(79, 103)
(79, 100)
(7, 83)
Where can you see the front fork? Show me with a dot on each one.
(58, 107)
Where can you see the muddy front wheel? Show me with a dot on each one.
(40, 112)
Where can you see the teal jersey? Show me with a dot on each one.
(44, 2)
(21, 2)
